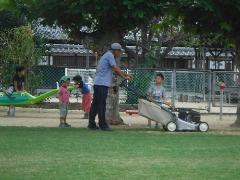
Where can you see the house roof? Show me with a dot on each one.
(180, 51)
(176, 52)
(51, 33)
(66, 49)
(58, 33)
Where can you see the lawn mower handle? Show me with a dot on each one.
(145, 97)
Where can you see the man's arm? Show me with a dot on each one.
(118, 71)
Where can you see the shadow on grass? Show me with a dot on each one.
(119, 129)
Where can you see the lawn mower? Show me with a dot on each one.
(180, 119)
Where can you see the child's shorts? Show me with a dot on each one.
(86, 102)
(63, 110)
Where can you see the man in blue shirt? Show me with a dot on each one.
(107, 65)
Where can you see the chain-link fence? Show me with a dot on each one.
(231, 95)
(193, 89)
(50, 75)
(183, 88)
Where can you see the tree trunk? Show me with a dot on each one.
(237, 122)
(112, 109)
(237, 62)
(144, 36)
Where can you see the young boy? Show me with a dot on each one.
(16, 86)
(64, 96)
(87, 98)
(157, 93)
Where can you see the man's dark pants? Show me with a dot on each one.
(98, 107)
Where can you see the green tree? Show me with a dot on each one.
(8, 20)
(211, 17)
(18, 48)
(6, 5)
(160, 32)
(102, 21)
(97, 22)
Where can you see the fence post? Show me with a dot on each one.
(203, 86)
(65, 71)
(87, 58)
(209, 91)
(221, 104)
(213, 88)
(173, 87)
(222, 86)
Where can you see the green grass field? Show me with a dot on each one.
(52, 153)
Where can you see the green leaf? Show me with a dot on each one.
(6, 5)
(225, 26)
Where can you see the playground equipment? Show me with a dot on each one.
(24, 98)
(187, 119)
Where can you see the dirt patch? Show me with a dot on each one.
(50, 118)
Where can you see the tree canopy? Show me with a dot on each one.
(9, 20)
(101, 20)
(209, 17)
(214, 17)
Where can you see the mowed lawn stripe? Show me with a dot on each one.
(52, 153)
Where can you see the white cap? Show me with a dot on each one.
(116, 46)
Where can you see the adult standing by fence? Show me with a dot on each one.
(102, 82)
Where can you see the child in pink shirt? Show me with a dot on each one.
(64, 101)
